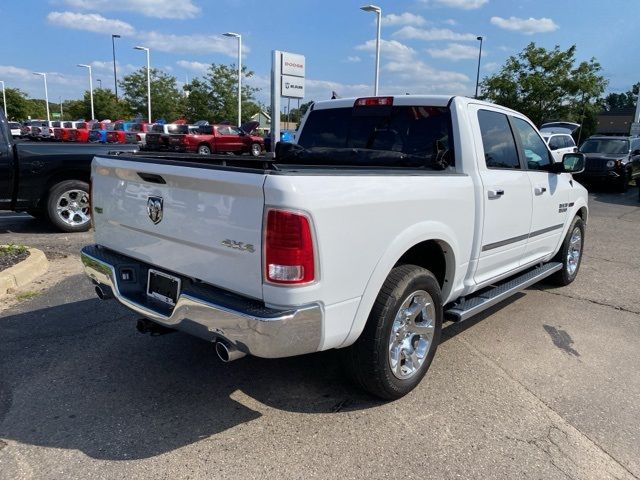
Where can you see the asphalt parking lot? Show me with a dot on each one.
(547, 385)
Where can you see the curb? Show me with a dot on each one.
(32, 267)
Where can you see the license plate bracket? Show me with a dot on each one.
(164, 287)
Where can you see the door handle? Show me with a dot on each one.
(497, 193)
(538, 190)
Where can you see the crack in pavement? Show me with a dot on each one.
(595, 302)
(550, 413)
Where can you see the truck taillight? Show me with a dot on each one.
(288, 252)
(371, 101)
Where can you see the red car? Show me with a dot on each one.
(81, 133)
(64, 134)
(220, 138)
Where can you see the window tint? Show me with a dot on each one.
(569, 143)
(556, 142)
(605, 145)
(535, 150)
(422, 131)
(497, 139)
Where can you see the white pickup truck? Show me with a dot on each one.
(389, 215)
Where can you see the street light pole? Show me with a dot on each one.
(145, 49)
(61, 112)
(115, 74)
(378, 12)
(4, 100)
(239, 37)
(46, 92)
(93, 116)
(479, 58)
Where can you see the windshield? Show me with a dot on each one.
(605, 145)
(419, 131)
(157, 129)
(119, 127)
(81, 125)
(14, 125)
(135, 127)
(67, 125)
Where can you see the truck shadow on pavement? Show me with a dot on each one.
(78, 376)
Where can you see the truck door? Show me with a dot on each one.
(7, 166)
(229, 139)
(506, 194)
(550, 193)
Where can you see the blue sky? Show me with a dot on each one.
(429, 46)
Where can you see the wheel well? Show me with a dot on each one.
(582, 213)
(432, 255)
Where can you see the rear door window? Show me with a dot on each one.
(497, 139)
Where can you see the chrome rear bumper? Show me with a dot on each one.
(208, 312)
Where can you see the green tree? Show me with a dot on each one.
(627, 99)
(37, 108)
(197, 102)
(548, 85)
(166, 98)
(17, 104)
(222, 83)
(75, 109)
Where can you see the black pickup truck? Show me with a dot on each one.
(48, 180)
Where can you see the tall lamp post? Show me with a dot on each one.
(378, 11)
(145, 49)
(4, 100)
(239, 37)
(479, 58)
(115, 74)
(93, 116)
(46, 92)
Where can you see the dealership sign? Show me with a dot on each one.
(293, 64)
(292, 87)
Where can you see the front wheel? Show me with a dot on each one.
(623, 182)
(402, 333)
(68, 206)
(570, 254)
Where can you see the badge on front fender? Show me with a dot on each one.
(154, 209)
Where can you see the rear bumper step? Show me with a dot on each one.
(206, 311)
(473, 305)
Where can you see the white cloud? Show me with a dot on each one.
(450, 21)
(432, 34)
(176, 9)
(491, 66)
(106, 67)
(462, 4)
(403, 19)
(455, 52)
(353, 59)
(389, 48)
(526, 26)
(197, 67)
(196, 44)
(91, 22)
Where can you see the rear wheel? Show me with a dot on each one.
(204, 149)
(402, 333)
(570, 254)
(256, 149)
(68, 206)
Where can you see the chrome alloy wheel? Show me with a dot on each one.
(412, 334)
(256, 150)
(72, 207)
(574, 251)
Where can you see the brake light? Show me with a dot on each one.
(289, 257)
(370, 101)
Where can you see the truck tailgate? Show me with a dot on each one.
(210, 226)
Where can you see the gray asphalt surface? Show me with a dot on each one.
(547, 385)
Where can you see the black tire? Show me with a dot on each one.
(623, 182)
(368, 359)
(255, 150)
(565, 276)
(80, 195)
(204, 149)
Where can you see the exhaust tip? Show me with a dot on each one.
(228, 353)
(103, 293)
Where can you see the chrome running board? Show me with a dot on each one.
(489, 297)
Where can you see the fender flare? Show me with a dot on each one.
(412, 236)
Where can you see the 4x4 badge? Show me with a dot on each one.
(154, 209)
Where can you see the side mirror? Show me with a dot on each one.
(636, 152)
(573, 162)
